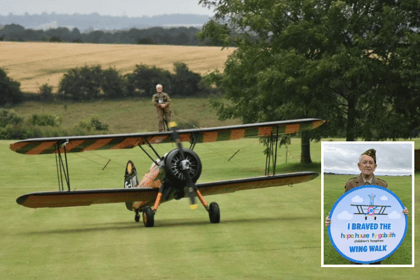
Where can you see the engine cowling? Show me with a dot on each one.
(174, 166)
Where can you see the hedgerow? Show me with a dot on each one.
(13, 126)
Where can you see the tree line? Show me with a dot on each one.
(93, 82)
(155, 35)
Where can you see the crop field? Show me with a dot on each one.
(34, 64)
(273, 233)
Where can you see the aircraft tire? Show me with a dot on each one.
(148, 217)
(214, 213)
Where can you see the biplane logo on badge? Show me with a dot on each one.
(370, 215)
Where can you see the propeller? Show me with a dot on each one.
(185, 166)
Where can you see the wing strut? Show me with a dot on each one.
(193, 142)
(271, 157)
(62, 167)
(275, 156)
(151, 147)
(148, 154)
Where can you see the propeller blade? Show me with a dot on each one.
(191, 189)
(190, 185)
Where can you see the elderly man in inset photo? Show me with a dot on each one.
(367, 165)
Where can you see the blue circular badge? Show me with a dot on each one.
(367, 224)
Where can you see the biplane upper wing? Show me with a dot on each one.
(88, 197)
(362, 212)
(71, 144)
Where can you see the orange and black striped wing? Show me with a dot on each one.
(89, 197)
(86, 197)
(256, 183)
(72, 144)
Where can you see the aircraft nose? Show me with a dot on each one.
(185, 164)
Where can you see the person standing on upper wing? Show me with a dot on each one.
(162, 101)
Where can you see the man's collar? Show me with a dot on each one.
(367, 181)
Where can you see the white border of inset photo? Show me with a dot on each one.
(393, 159)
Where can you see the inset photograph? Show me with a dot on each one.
(367, 211)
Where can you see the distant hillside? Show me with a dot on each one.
(98, 22)
(182, 36)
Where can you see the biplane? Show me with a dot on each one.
(171, 176)
(370, 209)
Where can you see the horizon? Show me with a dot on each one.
(95, 21)
(96, 13)
(115, 8)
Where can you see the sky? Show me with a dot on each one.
(130, 8)
(392, 158)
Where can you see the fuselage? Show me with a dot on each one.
(152, 179)
(166, 173)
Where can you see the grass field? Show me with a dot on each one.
(34, 64)
(127, 116)
(273, 233)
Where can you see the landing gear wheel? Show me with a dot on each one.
(148, 217)
(214, 213)
(137, 216)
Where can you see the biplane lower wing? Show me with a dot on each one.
(89, 197)
(256, 182)
(85, 197)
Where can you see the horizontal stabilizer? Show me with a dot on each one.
(73, 144)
